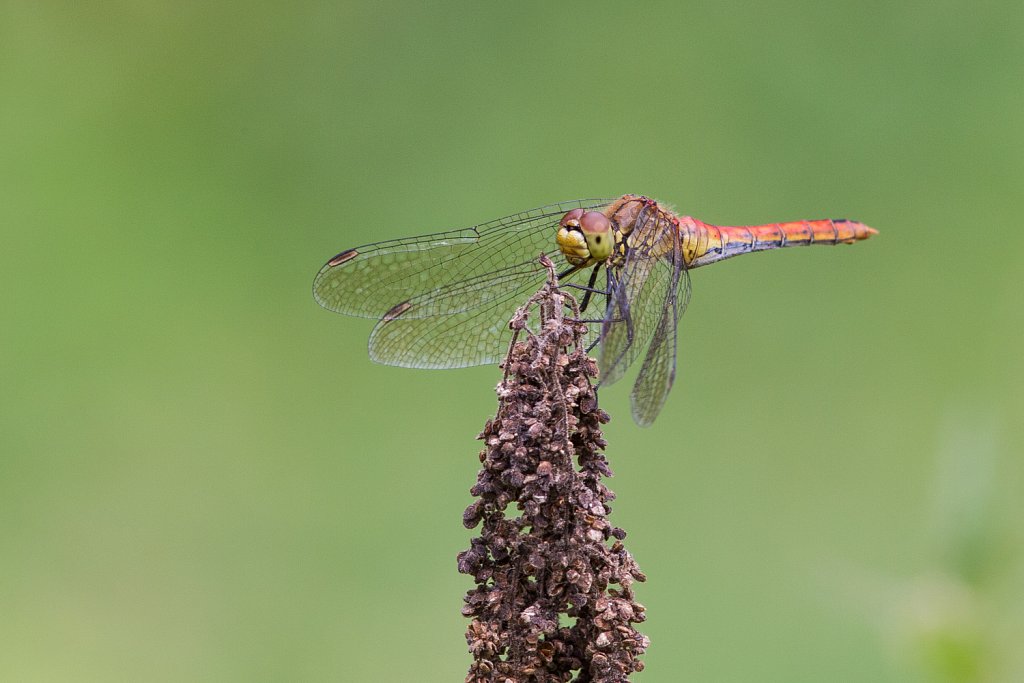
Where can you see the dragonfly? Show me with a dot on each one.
(443, 300)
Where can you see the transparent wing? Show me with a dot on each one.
(375, 280)
(659, 369)
(638, 294)
(477, 334)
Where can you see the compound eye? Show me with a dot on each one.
(594, 223)
(571, 218)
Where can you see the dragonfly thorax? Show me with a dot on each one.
(585, 237)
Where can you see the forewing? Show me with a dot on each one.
(659, 369)
(639, 291)
(373, 280)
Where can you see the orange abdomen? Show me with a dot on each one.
(704, 243)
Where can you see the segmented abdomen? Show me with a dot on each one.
(704, 243)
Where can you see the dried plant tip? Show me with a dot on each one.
(542, 557)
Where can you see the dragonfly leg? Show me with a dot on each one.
(584, 288)
(567, 272)
(621, 306)
(590, 287)
(629, 324)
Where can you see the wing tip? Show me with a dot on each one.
(341, 258)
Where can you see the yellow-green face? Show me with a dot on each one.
(585, 237)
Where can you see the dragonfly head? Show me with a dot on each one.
(585, 237)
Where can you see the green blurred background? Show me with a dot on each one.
(203, 477)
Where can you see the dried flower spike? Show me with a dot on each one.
(553, 599)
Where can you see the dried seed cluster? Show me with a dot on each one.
(552, 599)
